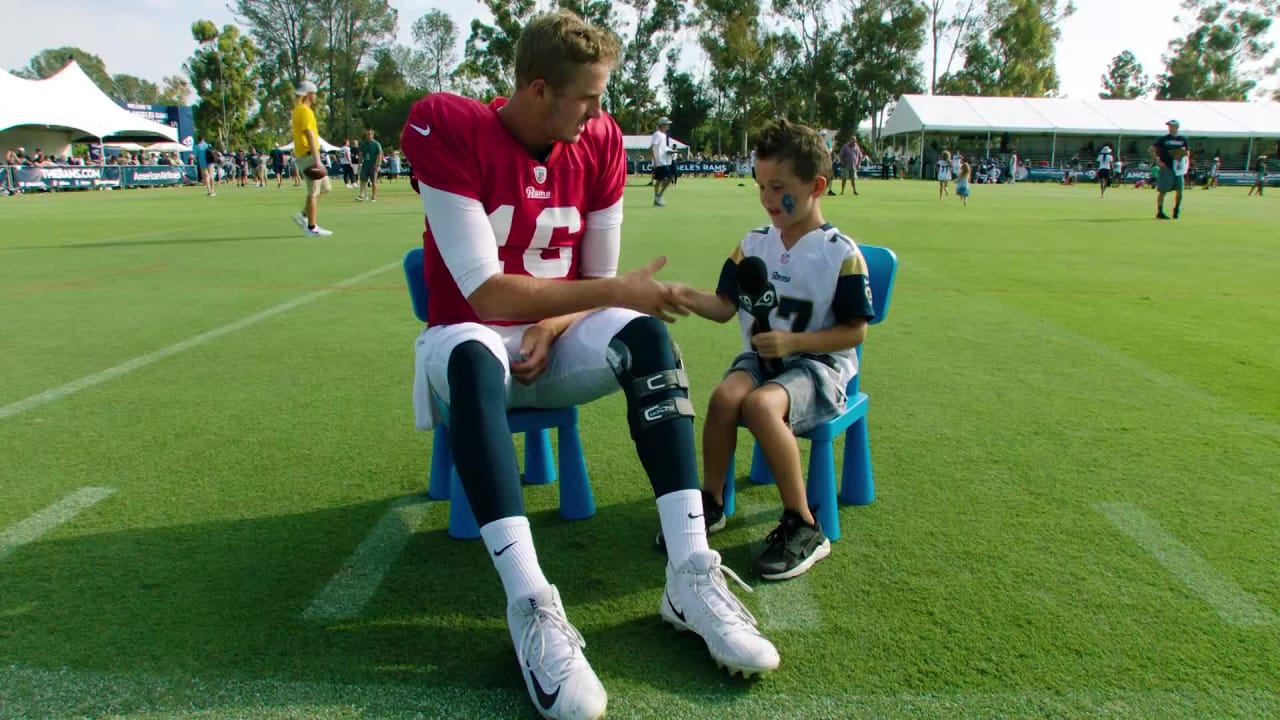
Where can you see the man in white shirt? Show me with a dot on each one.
(1106, 163)
(664, 170)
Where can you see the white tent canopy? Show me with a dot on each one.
(1112, 118)
(325, 146)
(634, 143)
(69, 100)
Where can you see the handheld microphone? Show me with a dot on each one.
(758, 297)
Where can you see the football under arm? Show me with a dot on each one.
(470, 251)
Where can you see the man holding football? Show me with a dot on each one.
(1172, 154)
(523, 203)
(306, 147)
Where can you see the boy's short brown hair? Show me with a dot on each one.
(553, 45)
(799, 144)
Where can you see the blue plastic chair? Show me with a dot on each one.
(576, 500)
(856, 484)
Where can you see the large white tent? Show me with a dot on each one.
(636, 143)
(325, 146)
(1086, 117)
(1113, 118)
(68, 107)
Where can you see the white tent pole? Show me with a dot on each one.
(921, 153)
(1249, 160)
(1053, 153)
(988, 143)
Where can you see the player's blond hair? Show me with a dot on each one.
(798, 144)
(554, 45)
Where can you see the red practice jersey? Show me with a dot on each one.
(537, 209)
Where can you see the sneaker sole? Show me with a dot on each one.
(818, 553)
(730, 666)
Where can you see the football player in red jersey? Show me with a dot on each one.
(523, 202)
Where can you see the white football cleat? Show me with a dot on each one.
(698, 599)
(318, 231)
(560, 681)
(300, 219)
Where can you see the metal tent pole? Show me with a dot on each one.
(988, 143)
(1053, 153)
(1249, 159)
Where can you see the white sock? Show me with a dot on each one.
(510, 546)
(683, 526)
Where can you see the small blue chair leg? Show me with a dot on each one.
(539, 465)
(822, 488)
(730, 506)
(857, 486)
(576, 501)
(462, 522)
(441, 464)
(760, 472)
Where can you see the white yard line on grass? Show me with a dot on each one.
(787, 604)
(128, 366)
(1230, 601)
(30, 530)
(351, 588)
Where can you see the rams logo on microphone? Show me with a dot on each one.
(767, 301)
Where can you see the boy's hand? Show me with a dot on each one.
(643, 292)
(773, 344)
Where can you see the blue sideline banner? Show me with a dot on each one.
(64, 178)
(156, 175)
(684, 167)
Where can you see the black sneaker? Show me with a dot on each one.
(792, 548)
(712, 514)
(1177, 210)
(1161, 216)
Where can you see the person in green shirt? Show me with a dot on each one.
(370, 161)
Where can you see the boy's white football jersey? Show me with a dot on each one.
(805, 279)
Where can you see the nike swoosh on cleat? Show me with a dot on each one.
(545, 699)
(421, 131)
(673, 607)
(507, 547)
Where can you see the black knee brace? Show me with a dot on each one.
(647, 365)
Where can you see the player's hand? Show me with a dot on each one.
(773, 344)
(535, 349)
(642, 292)
(683, 295)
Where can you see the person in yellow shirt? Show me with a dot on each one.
(306, 148)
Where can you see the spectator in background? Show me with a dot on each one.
(277, 165)
(1260, 181)
(344, 161)
(850, 159)
(370, 160)
(1213, 172)
(664, 165)
(205, 164)
(393, 166)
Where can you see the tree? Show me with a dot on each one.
(437, 36)
(954, 30)
(635, 101)
(46, 63)
(1212, 62)
(284, 30)
(131, 89)
(817, 46)
(739, 52)
(879, 61)
(351, 31)
(491, 49)
(174, 90)
(412, 64)
(222, 74)
(1014, 54)
(689, 105)
(1124, 79)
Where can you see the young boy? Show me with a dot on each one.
(1260, 180)
(944, 172)
(792, 374)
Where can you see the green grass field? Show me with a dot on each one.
(1075, 422)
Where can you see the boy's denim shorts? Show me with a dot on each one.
(813, 386)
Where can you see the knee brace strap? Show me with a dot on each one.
(665, 380)
(668, 409)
